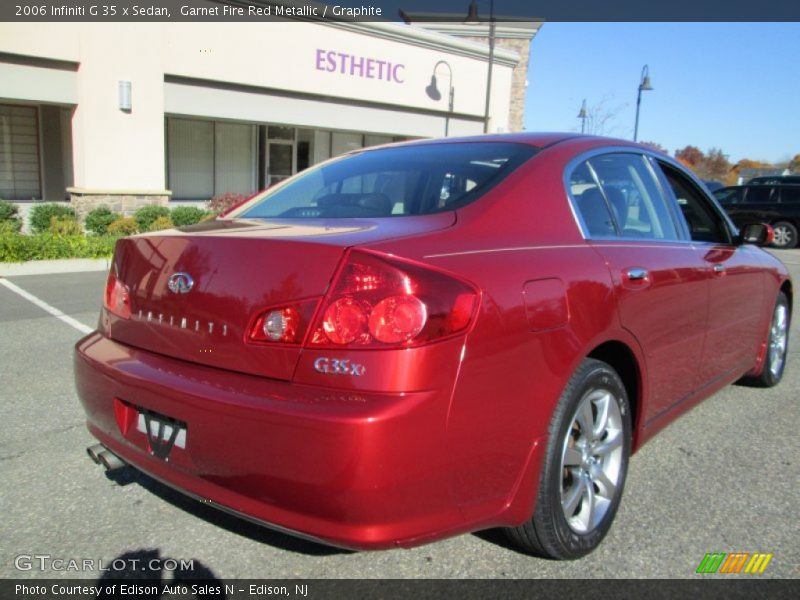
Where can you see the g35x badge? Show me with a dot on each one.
(333, 366)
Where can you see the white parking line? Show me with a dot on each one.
(45, 306)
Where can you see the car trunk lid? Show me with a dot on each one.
(237, 268)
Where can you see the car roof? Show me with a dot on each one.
(536, 139)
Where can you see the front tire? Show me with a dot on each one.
(785, 235)
(585, 466)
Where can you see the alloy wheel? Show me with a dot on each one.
(777, 339)
(783, 237)
(591, 460)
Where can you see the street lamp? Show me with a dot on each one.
(644, 86)
(583, 116)
(474, 19)
(433, 92)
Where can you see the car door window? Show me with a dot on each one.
(638, 208)
(704, 223)
(759, 194)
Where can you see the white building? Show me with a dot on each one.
(125, 114)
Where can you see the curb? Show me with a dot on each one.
(49, 267)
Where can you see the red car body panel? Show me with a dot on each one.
(432, 440)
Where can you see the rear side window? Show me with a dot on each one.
(400, 181)
(616, 195)
(790, 193)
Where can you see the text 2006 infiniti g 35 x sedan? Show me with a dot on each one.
(419, 340)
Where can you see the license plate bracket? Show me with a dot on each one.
(163, 433)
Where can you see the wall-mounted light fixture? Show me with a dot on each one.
(434, 94)
(125, 96)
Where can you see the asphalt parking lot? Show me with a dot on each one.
(723, 478)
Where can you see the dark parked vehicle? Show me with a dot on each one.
(773, 179)
(778, 205)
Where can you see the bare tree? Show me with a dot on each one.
(600, 117)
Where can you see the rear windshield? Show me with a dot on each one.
(388, 182)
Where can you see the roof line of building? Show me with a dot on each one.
(418, 36)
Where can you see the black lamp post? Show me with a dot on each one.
(433, 93)
(644, 86)
(582, 115)
(474, 19)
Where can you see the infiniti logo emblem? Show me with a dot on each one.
(180, 283)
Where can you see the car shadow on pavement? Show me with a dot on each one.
(498, 538)
(240, 526)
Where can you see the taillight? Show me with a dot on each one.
(285, 324)
(117, 298)
(383, 302)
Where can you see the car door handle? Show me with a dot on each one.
(718, 269)
(636, 274)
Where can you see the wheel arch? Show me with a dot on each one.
(786, 288)
(623, 360)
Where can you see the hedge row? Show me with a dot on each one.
(62, 219)
(45, 246)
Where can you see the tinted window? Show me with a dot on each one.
(406, 180)
(633, 195)
(790, 193)
(590, 203)
(729, 195)
(704, 224)
(759, 194)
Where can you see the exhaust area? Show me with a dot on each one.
(104, 457)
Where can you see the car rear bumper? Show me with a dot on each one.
(353, 469)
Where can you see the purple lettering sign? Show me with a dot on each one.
(332, 61)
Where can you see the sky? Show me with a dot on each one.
(733, 86)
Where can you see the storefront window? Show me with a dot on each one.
(206, 158)
(19, 153)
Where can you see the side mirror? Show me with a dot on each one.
(759, 234)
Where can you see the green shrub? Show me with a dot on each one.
(10, 226)
(65, 226)
(123, 226)
(222, 202)
(18, 248)
(42, 214)
(161, 223)
(8, 211)
(186, 215)
(98, 220)
(209, 216)
(147, 214)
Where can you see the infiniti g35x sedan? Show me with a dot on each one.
(425, 339)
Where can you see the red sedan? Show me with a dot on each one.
(425, 339)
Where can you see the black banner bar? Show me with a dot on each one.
(395, 10)
(702, 587)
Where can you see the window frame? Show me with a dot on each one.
(710, 202)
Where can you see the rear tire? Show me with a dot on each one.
(785, 235)
(584, 469)
(777, 346)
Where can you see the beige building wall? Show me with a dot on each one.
(257, 72)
